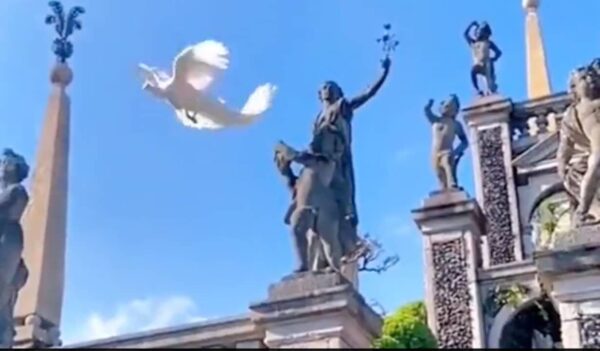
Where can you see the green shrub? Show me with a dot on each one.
(406, 329)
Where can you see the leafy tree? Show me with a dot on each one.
(407, 329)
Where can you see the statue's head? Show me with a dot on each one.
(13, 167)
(484, 31)
(583, 82)
(330, 91)
(450, 107)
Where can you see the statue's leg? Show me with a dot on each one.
(314, 251)
(474, 73)
(447, 165)
(300, 220)
(490, 77)
(328, 232)
(589, 182)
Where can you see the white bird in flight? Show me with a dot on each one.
(194, 69)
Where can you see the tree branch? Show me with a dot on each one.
(368, 253)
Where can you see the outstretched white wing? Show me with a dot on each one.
(199, 64)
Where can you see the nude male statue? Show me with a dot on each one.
(482, 48)
(445, 129)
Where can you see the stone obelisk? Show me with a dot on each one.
(38, 309)
(538, 79)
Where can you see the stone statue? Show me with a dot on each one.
(13, 273)
(445, 129)
(314, 216)
(337, 112)
(7, 311)
(580, 129)
(482, 48)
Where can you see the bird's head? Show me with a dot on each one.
(150, 80)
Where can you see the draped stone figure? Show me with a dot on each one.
(338, 111)
(13, 273)
(323, 214)
(580, 130)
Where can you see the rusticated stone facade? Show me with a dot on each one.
(590, 331)
(452, 297)
(501, 241)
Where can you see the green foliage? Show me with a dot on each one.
(512, 295)
(550, 214)
(407, 329)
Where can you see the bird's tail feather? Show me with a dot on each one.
(259, 101)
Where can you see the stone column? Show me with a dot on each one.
(491, 140)
(316, 311)
(571, 273)
(451, 226)
(39, 306)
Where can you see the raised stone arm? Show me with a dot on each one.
(361, 99)
(467, 34)
(431, 117)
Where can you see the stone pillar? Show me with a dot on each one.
(451, 226)
(316, 311)
(571, 272)
(491, 141)
(39, 305)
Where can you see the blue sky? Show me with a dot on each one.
(168, 224)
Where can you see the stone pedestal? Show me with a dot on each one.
(316, 311)
(571, 272)
(451, 225)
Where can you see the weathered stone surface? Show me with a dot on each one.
(590, 331)
(585, 235)
(445, 198)
(575, 259)
(302, 284)
(452, 297)
(319, 311)
(501, 241)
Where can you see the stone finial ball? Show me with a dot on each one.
(61, 74)
(531, 4)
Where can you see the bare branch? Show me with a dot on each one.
(368, 252)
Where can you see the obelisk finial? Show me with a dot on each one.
(65, 25)
(538, 78)
(531, 5)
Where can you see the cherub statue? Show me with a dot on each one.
(445, 128)
(482, 48)
(580, 129)
(13, 200)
